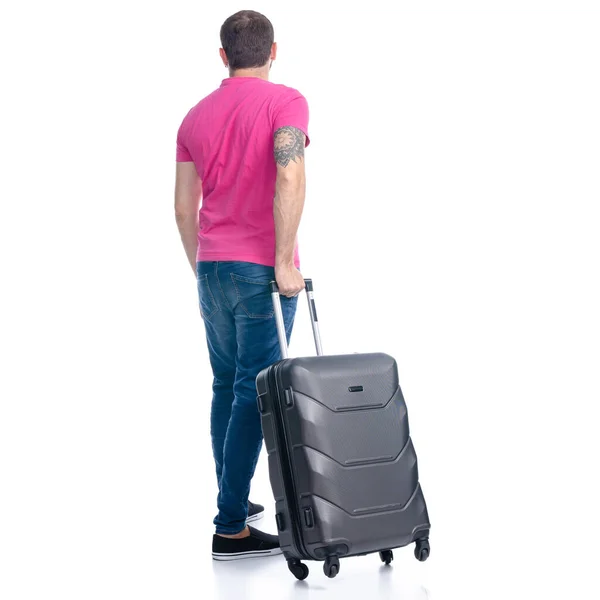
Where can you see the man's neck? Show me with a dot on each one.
(261, 73)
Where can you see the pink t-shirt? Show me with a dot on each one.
(229, 137)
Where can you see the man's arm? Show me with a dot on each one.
(287, 206)
(188, 194)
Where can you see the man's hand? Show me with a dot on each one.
(289, 280)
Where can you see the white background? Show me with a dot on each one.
(451, 221)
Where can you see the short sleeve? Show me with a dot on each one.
(182, 153)
(293, 112)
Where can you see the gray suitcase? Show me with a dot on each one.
(342, 465)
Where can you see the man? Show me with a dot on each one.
(240, 155)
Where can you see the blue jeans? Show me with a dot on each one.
(236, 306)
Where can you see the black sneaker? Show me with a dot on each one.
(255, 512)
(257, 544)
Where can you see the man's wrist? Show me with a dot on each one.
(284, 264)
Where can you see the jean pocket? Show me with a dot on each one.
(208, 306)
(254, 296)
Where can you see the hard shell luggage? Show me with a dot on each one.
(342, 465)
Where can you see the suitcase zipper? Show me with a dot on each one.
(286, 469)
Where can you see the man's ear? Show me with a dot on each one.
(223, 57)
(274, 51)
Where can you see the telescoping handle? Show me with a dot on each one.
(281, 325)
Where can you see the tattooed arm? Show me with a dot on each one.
(287, 206)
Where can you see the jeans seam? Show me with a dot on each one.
(254, 281)
(220, 286)
(215, 305)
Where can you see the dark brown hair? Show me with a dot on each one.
(247, 38)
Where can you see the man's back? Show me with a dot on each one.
(229, 137)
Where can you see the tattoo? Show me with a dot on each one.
(289, 145)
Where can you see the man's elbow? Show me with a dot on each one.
(290, 182)
(185, 212)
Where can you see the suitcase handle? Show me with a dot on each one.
(281, 325)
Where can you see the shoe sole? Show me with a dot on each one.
(256, 517)
(243, 555)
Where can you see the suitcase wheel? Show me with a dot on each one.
(298, 569)
(387, 556)
(331, 567)
(422, 549)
